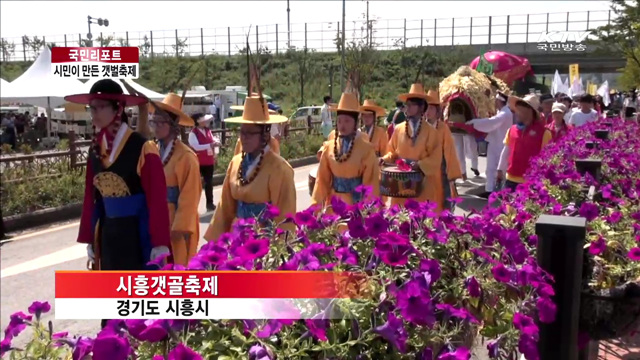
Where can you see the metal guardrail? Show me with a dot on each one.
(383, 34)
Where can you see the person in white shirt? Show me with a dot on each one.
(206, 146)
(586, 114)
(496, 128)
(325, 114)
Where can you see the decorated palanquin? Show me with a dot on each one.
(502, 65)
(466, 95)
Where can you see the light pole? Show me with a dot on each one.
(344, 9)
(368, 26)
(99, 21)
(288, 26)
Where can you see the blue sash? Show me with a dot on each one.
(348, 186)
(247, 210)
(173, 193)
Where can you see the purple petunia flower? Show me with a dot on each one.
(501, 273)
(589, 211)
(346, 255)
(111, 347)
(525, 324)
(473, 287)
(597, 247)
(5, 346)
(634, 254)
(38, 308)
(183, 352)
(415, 305)
(253, 249)
(271, 212)
(394, 332)
(432, 267)
(546, 310)
(528, 346)
(318, 328)
(460, 353)
(259, 352)
(17, 323)
(376, 224)
(493, 348)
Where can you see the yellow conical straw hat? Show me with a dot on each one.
(256, 112)
(370, 105)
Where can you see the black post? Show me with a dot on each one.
(229, 44)
(607, 123)
(276, 39)
(560, 252)
(591, 166)
(602, 134)
(591, 145)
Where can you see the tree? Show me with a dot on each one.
(122, 42)
(104, 41)
(304, 67)
(51, 45)
(145, 47)
(34, 45)
(360, 57)
(8, 49)
(622, 35)
(180, 46)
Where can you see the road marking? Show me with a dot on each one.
(71, 253)
(42, 232)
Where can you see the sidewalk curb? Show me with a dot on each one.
(73, 211)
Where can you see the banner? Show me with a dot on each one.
(95, 62)
(574, 73)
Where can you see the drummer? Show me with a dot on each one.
(182, 174)
(377, 134)
(418, 144)
(450, 168)
(348, 161)
(257, 176)
(274, 144)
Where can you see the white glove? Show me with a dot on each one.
(90, 253)
(158, 251)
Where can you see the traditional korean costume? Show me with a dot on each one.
(124, 217)
(346, 163)
(416, 141)
(184, 185)
(252, 183)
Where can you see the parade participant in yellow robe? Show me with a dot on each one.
(255, 177)
(348, 161)
(274, 144)
(377, 135)
(450, 165)
(182, 175)
(418, 144)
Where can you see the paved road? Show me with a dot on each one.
(28, 261)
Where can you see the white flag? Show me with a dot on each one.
(603, 91)
(556, 83)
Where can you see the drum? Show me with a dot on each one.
(400, 184)
(313, 174)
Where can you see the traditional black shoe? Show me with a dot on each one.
(475, 172)
(211, 207)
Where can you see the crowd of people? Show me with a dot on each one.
(20, 128)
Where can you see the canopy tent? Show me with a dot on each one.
(38, 86)
(147, 92)
(3, 83)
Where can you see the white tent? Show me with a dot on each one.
(38, 86)
(3, 83)
(147, 92)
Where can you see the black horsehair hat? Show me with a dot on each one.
(106, 89)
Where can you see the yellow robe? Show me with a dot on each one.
(184, 188)
(363, 163)
(274, 145)
(451, 161)
(332, 136)
(427, 152)
(379, 140)
(274, 184)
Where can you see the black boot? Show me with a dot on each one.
(211, 207)
(475, 172)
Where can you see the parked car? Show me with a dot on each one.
(305, 115)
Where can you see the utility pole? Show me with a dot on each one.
(288, 26)
(368, 26)
(344, 10)
(90, 20)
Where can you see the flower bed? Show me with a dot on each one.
(436, 281)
